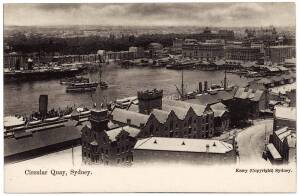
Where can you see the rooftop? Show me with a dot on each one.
(135, 118)
(198, 109)
(113, 134)
(183, 145)
(160, 115)
(40, 139)
(283, 112)
(248, 93)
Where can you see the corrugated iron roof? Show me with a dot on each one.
(136, 119)
(183, 145)
(40, 139)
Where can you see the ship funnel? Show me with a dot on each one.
(205, 86)
(43, 104)
(200, 87)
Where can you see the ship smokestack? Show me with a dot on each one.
(205, 86)
(43, 104)
(200, 87)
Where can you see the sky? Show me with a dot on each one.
(143, 14)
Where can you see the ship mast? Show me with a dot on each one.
(100, 69)
(182, 85)
(225, 80)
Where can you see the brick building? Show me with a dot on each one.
(102, 145)
(166, 118)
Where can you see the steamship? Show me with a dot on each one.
(39, 73)
(18, 125)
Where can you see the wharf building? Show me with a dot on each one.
(166, 118)
(28, 144)
(282, 143)
(204, 51)
(164, 150)
(243, 53)
(282, 146)
(278, 54)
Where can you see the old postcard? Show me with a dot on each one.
(149, 97)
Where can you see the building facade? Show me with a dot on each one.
(167, 118)
(278, 54)
(203, 51)
(242, 53)
(102, 145)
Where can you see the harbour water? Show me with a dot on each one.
(22, 98)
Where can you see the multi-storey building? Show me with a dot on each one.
(203, 51)
(242, 53)
(278, 54)
(107, 146)
(282, 148)
(167, 118)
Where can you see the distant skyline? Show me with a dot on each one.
(152, 14)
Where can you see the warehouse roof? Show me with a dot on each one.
(285, 113)
(40, 139)
(198, 109)
(135, 118)
(183, 145)
(113, 134)
(161, 115)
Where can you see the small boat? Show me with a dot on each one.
(85, 112)
(34, 122)
(67, 116)
(51, 119)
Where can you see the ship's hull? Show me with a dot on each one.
(40, 75)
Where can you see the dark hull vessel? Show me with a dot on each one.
(41, 74)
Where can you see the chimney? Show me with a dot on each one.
(128, 121)
(205, 86)
(200, 87)
(43, 104)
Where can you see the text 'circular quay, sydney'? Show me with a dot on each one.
(145, 84)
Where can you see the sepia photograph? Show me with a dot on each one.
(149, 97)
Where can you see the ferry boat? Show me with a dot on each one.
(181, 65)
(76, 79)
(82, 87)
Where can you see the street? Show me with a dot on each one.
(251, 142)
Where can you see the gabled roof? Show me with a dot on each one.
(113, 134)
(161, 115)
(247, 93)
(287, 134)
(136, 119)
(180, 112)
(198, 109)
